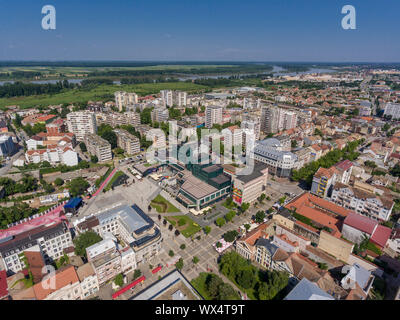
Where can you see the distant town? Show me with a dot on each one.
(85, 214)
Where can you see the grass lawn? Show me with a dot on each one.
(113, 179)
(188, 229)
(199, 284)
(163, 206)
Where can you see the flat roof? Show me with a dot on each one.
(197, 188)
(160, 287)
(133, 218)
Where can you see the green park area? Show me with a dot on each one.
(185, 225)
(163, 206)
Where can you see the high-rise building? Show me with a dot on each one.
(167, 97)
(213, 116)
(124, 99)
(253, 125)
(270, 119)
(290, 120)
(6, 145)
(180, 98)
(170, 98)
(81, 123)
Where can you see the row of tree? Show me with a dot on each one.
(306, 173)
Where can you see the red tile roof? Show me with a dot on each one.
(381, 235)
(344, 165)
(62, 278)
(361, 223)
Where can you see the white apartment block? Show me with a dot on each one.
(290, 120)
(170, 98)
(160, 115)
(81, 123)
(98, 147)
(124, 99)
(128, 142)
(119, 119)
(213, 116)
(51, 240)
(252, 125)
(167, 97)
(362, 202)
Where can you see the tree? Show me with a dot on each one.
(247, 227)
(244, 207)
(230, 215)
(213, 283)
(111, 137)
(119, 151)
(195, 260)
(94, 159)
(83, 147)
(78, 186)
(183, 246)
(294, 144)
(59, 182)
(246, 279)
(230, 236)
(260, 216)
(179, 264)
(226, 292)
(137, 274)
(84, 241)
(207, 229)
(220, 222)
(171, 253)
(261, 198)
(119, 280)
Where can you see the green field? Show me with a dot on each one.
(188, 229)
(162, 205)
(103, 92)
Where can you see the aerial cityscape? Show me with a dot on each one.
(215, 178)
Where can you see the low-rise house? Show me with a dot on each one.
(358, 280)
(88, 279)
(64, 285)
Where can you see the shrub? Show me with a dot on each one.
(119, 280)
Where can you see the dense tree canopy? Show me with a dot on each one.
(84, 241)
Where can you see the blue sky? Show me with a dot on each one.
(215, 30)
